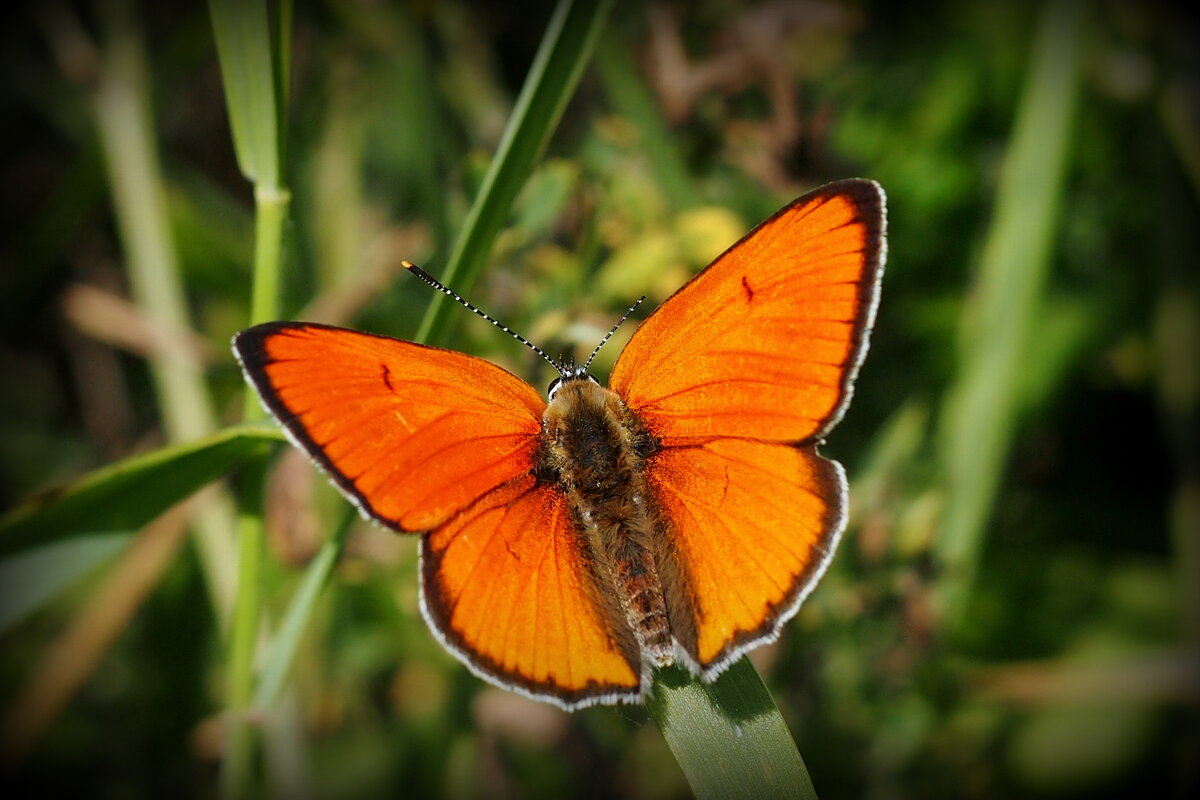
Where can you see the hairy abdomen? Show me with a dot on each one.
(593, 448)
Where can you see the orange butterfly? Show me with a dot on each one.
(571, 547)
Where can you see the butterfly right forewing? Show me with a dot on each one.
(766, 341)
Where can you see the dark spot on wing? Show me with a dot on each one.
(749, 291)
(508, 546)
(386, 374)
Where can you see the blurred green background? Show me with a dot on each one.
(1015, 609)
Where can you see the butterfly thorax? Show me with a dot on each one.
(594, 449)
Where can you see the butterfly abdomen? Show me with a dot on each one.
(594, 448)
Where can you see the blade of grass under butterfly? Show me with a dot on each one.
(565, 49)
(999, 320)
(728, 736)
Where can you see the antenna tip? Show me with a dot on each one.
(408, 264)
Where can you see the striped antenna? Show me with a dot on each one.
(608, 335)
(432, 281)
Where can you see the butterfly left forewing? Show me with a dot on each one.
(410, 433)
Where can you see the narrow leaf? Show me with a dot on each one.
(126, 495)
(556, 68)
(728, 736)
(243, 33)
(34, 577)
(998, 322)
(295, 620)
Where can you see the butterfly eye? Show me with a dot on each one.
(553, 388)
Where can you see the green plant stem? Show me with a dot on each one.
(254, 68)
(122, 108)
(272, 206)
(237, 767)
(565, 49)
(728, 736)
(999, 319)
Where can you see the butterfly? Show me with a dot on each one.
(571, 546)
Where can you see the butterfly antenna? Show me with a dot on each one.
(608, 335)
(432, 281)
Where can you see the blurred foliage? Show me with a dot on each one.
(1074, 671)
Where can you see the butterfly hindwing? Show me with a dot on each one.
(752, 526)
(507, 587)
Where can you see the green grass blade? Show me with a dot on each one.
(33, 577)
(728, 736)
(253, 94)
(999, 320)
(552, 78)
(237, 768)
(283, 649)
(255, 71)
(126, 495)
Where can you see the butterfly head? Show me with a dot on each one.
(571, 372)
(568, 372)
